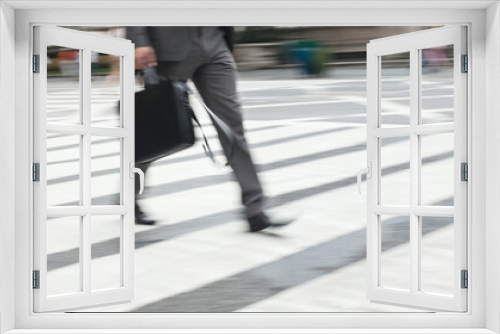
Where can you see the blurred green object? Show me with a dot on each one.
(310, 55)
(320, 60)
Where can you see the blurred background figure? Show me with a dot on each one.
(310, 55)
(435, 59)
(68, 62)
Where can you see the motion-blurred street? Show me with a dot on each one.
(308, 139)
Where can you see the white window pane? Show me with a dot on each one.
(395, 90)
(63, 169)
(395, 252)
(105, 234)
(395, 171)
(63, 85)
(437, 259)
(63, 248)
(105, 90)
(437, 85)
(106, 170)
(437, 171)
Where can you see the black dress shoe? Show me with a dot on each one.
(261, 221)
(142, 218)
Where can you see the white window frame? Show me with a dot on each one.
(484, 48)
(414, 43)
(86, 43)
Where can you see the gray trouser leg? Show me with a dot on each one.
(216, 82)
(215, 79)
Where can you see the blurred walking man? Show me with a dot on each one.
(203, 54)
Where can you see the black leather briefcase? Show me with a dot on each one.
(163, 120)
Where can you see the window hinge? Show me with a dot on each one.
(36, 63)
(36, 172)
(465, 64)
(465, 279)
(464, 171)
(36, 279)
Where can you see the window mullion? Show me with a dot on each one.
(414, 171)
(72, 129)
(431, 129)
(86, 171)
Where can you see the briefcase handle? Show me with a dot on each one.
(222, 126)
(152, 78)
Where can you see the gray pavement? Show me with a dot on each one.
(308, 139)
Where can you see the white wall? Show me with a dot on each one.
(7, 160)
(492, 187)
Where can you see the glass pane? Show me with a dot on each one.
(63, 169)
(106, 170)
(437, 85)
(105, 232)
(63, 85)
(395, 90)
(105, 90)
(395, 252)
(437, 255)
(63, 255)
(437, 172)
(395, 171)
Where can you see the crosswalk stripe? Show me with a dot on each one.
(57, 259)
(267, 279)
(274, 146)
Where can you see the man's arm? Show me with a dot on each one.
(144, 52)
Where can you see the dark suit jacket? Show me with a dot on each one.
(172, 43)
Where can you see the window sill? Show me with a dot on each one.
(252, 331)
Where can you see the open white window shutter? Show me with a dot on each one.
(416, 296)
(86, 295)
